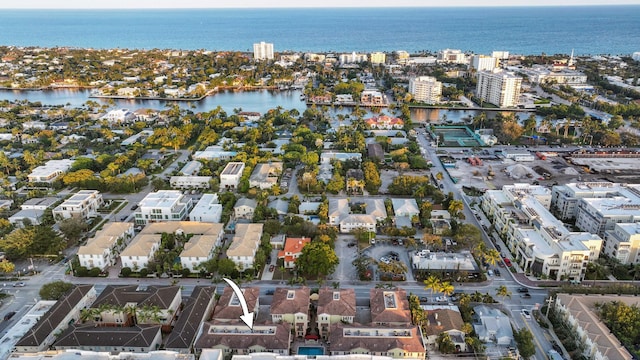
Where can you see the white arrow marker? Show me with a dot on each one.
(247, 316)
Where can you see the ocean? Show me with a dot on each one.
(519, 30)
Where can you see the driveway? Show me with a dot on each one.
(345, 271)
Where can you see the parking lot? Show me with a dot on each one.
(385, 249)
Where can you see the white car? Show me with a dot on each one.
(526, 314)
(442, 299)
(385, 260)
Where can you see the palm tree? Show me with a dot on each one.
(491, 256)
(503, 292)
(446, 288)
(432, 283)
(635, 271)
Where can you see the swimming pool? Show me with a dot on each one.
(310, 350)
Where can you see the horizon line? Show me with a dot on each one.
(323, 7)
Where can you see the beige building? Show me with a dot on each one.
(378, 57)
(425, 89)
(228, 308)
(237, 339)
(398, 342)
(292, 306)
(389, 307)
(101, 251)
(244, 245)
(201, 246)
(579, 312)
(335, 306)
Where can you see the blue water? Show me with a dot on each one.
(522, 30)
(310, 350)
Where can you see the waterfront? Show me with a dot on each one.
(257, 101)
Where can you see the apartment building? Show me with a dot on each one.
(539, 242)
(237, 339)
(389, 307)
(378, 57)
(451, 56)
(483, 63)
(163, 205)
(397, 342)
(228, 308)
(425, 89)
(32, 211)
(623, 243)
(335, 306)
(265, 176)
(292, 306)
(190, 182)
(102, 250)
(207, 209)
(206, 237)
(230, 175)
(83, 204)
(499, 88)
(263, 51)
(244, 245)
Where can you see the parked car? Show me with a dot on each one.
(507, 262)
(498, 247)
(442, 299)
(351, 244)
(272, 267)
(9, 315)
(526, 314)
(490, 272)
(526, 296)
(19, 284)
(497, 272)
(523, 290)
(134, 207)
(269, 292)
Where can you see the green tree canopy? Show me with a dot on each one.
(54, 290)
(317, 259)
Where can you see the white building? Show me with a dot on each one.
(378, 57)
(103, 248)
(451, 56)
(230, 175)
(499, 88)
(119, 116)
(263, 51)
(164, 205)
(50, 171)
(539, 242)
(83, 204)
(207, 209)
(214, 152)
(425, 89)
(244, 245)
(518, 155)
(500, 55)
(32, 211)
(244, 208)
(353, 58)
(190, 182)
(483, 63)
(201, 246)
(37, 125)
(564, 198)
(191, 168)
(623, 243)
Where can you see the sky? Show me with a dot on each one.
(168, 4)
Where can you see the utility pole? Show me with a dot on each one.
(548, 301)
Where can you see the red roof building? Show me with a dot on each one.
(292, 250)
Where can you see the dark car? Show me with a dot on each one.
(526, 296)
(134, 207)
(269, 292)
(523, 290)
(497, 272)
(498, 247)
(9, 315)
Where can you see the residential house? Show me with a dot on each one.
(440, 221)
(335, 306)
(340, 215)
(102, 249)
(244, 208)
(372, 97)
(354, 179)
(191, 168)
(154, 305)
(292, 250)
(190, 182)
(50, 171)
(32, 211)
(389, 307)
(35, 125)
(405, 207)
(140, 251)
(375, 152)
(83, 204)
(119, 116)
(237, 339)
(163, 205)
(230, 175)
(141, 338)
(200, 247)
(195, 310)
(63, 313)
(244, 245)
(445, 320)
(207, 209)
(492, 326)
(595, 339)
(385, 122)
(292, 306)
(264, 176)
(281, 206)
(398, 342)
(228, 308)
